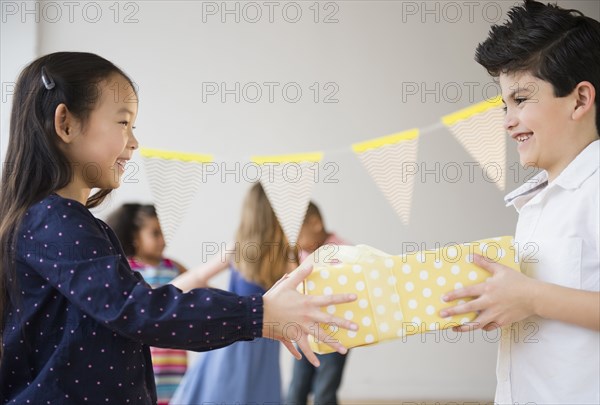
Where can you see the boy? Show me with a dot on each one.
(548, 63)
(325, 380)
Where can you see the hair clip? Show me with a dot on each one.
(48, 82)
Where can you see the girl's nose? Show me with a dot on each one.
(133, 142)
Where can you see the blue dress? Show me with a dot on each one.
(243, 373)
(79, 320)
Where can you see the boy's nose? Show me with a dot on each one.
(510, 121)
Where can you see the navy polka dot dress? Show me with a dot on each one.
(79, 320)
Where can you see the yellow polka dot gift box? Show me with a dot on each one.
(398, 295)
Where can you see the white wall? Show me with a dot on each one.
(374, 53)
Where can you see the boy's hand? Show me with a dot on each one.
(286, 310)
(506, 297)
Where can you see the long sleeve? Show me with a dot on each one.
(79, 313)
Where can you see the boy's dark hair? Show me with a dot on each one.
(554, 44)
(127, 220)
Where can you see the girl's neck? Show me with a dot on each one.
(74, 192)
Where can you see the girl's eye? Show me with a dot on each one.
(125, 123)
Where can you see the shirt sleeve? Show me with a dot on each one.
(61, 241)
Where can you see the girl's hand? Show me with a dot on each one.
(288, 312)
(507, 297)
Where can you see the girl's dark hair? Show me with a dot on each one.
(127, 221)
(35, 167)
(554, 44)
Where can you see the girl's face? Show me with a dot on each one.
(149, 242)
(104, 145)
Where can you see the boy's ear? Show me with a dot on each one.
(585, 96)
(64, 123)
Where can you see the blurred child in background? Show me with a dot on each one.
(325, 380)
(141, 237)
(260, 256)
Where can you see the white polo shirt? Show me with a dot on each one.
(545, 361)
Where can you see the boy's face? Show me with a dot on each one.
(539, 122)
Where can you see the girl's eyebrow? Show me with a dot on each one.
(125, 109)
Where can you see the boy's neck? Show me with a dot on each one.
(555, 170)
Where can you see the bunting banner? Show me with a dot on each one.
(174, 179)
(479, 129)
(288, 181)
(388, 161)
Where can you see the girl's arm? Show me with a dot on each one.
(509, 296)
(198, 277)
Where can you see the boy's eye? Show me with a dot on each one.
(520, 100)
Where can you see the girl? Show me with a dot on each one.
(76, 320)
(141, 237)
(261, 256)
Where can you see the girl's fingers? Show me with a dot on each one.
(322, 317)
(326, 300)
(331, 341)
(291, 348)
(285, 276)
(297, 276)
(304, 346)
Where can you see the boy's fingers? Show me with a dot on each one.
(469, 326)
(465, 292)
(485, 264)
(491, 326)
(471, 306)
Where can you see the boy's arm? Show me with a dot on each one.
(509, 296)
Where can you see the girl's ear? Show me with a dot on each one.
(64, 123)
(585, 96)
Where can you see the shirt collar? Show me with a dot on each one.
(583, 166)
